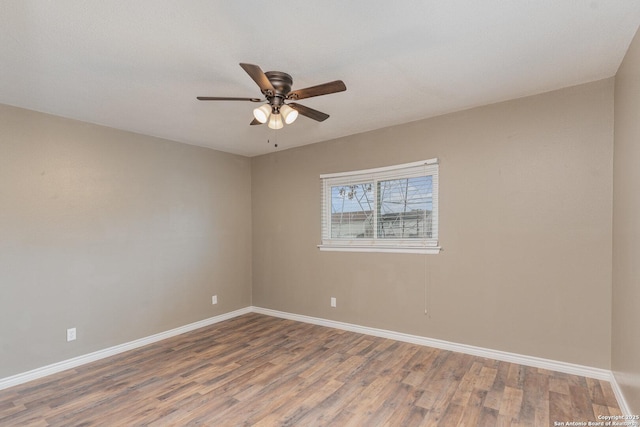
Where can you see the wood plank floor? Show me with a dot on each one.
(265, 371)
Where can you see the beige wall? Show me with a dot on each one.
(123, 235)
(117, 234)
(625, 351)
(525, 214)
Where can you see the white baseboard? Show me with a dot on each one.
(622, 402)
(536, 362)
(101, 354)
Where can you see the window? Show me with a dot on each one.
(389, 209)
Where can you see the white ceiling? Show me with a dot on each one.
(139, 65)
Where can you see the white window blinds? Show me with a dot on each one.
(392, 209)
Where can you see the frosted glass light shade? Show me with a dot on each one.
(275, 121)
(288, 114)
(262, 113)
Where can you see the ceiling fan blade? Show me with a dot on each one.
(226, 98)
(323, 89)
(309, 112)
(259, 77)
(255, 122)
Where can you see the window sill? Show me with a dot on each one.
(433, 250)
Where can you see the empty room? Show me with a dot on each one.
(365, 213)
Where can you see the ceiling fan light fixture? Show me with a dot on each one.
(275, 86)
(262, 113)
(288, 114)
(275, 121)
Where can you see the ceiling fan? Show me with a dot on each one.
(276, 88)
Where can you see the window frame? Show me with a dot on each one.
(405, 245)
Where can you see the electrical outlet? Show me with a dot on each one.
(71, 334)
(333, 302)
(214, 299)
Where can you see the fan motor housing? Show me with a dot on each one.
(281, 82)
